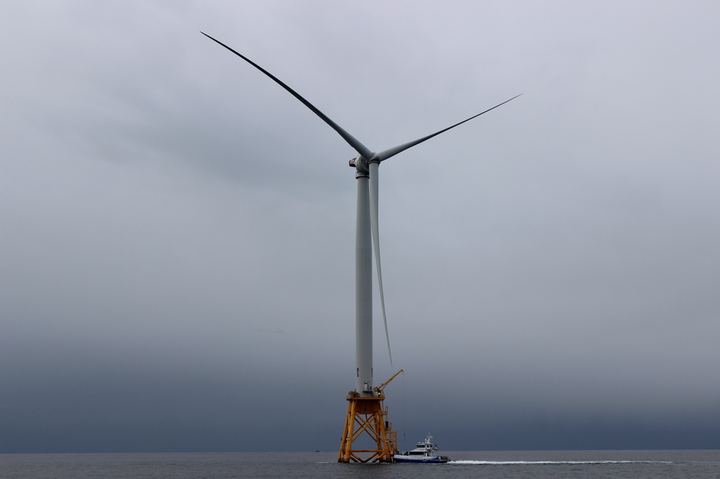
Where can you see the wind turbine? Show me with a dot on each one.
(366, 166)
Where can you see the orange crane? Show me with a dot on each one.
(379, 389)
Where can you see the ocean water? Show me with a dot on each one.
(506, 465)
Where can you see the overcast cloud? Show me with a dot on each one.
(176, 231)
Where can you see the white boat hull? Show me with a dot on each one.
(421, 459)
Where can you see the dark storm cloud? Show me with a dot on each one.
(177, 231)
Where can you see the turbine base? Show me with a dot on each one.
(367, 416)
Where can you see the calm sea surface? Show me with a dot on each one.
(507, 465)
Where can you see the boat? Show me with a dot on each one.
(424, 452)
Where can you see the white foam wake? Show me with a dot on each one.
(524, 463)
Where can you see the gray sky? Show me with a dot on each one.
(177, 231)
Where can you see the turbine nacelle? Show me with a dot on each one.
(362, 165)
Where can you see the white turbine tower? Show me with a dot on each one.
(366, 166)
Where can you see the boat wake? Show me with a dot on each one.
(544, 463)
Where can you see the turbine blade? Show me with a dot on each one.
(373, 167)
(384, 155)
(352, 141)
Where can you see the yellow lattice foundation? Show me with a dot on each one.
(366, 415)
